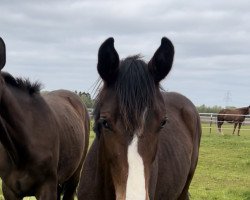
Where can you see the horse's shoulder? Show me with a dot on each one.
(178, 101)
(59, 98)
(180, 106)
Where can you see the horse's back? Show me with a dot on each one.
(231, 115)
(178, 148)
(64, 95)
(73, 129)
(68, 107)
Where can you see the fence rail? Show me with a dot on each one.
(211, 118)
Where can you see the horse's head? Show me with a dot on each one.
(2, 54)
(2, 60)
(129, 115)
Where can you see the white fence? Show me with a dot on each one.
(210, 119)
(90, 111)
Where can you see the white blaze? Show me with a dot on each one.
(136, 181)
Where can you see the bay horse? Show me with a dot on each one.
(232, 116)
(147, 141)
(43, 139)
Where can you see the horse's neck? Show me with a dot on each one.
(7, 142)
(13, 134)
(245, 111)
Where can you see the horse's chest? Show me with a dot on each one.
(5, 162)
(21, 182)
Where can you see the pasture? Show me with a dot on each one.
(223, 171)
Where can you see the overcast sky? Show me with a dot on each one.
(57, 42)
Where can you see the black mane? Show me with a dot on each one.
(23, 84)
(135, 91)
(245, 110)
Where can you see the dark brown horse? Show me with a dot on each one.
(43, 139)
(232, 116)
(147, 141)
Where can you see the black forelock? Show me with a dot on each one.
(135, 91)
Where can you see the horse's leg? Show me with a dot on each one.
(219, 124)
(71, 185)
(235, 125)
(184, 196)
(239, 128)
(48, 191)
(8, 194)
(59, 192)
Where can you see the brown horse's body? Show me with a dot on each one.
(43, 140)
(178, 149)
(147, 141)
(235, 116)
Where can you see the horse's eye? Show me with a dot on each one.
(163, 122)
(105, 124)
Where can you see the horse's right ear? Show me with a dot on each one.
(108, 61)
(161, 62)
(2, 53)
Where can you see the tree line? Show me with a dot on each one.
(210, 109)
(86, 98)
(89, 102)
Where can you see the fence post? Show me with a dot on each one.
(211, 121)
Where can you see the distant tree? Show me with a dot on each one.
(44, 92)
(207, 109)
(86, 98)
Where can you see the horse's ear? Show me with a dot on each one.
(162, 61)
(2, 53)
(108, 61)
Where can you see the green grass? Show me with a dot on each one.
(223, 171)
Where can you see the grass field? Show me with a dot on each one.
(223, 171)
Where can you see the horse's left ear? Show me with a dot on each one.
(2, 53)
(162, 61)
(108, 61)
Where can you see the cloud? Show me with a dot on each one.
(57, 42)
